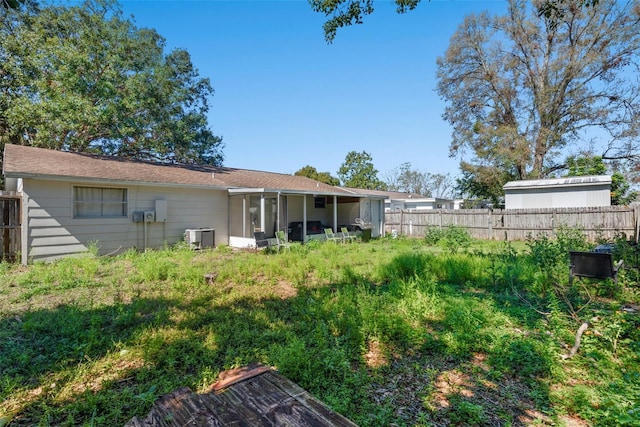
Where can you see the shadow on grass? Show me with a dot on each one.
(103, 365)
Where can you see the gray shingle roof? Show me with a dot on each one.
(22, 161)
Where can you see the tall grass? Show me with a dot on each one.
(385, 332)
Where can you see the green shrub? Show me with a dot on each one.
(433, 235)
(452, 237)
(456, 237)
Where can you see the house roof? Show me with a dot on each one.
(396, 195)
(25, 162)
(571, 181)
(399, 195)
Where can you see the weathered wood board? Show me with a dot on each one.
(253, 396)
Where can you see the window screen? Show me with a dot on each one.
(96, 202)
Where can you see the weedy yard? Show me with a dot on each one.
(389, 332)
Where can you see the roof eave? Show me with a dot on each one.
(111, 181)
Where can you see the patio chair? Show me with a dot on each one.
(331, 237)
(595, 265)
(281, 241)
(346, 237)
(261, 240)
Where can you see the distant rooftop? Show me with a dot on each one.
(569, 181)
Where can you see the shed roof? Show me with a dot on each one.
(24, 162)
(570, 181)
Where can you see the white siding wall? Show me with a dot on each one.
(52, 231)
(558, 197)
(235, 220)
(296, 209)
(348, 212)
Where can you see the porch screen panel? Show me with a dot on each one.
(95, 202)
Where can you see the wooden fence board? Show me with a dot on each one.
(10, 226)
(517, 224)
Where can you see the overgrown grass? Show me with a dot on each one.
(385, 332)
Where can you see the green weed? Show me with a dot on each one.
(382, 332)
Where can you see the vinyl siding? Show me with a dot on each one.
(52, 231)
(558, 197)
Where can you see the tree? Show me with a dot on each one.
(441, 185)
(556, 9)
(83, 78)
(585, 165)
(311, 172)
(342, 13)
(621, 193)
(10, 4)
(357, 171)
(524, 88)
(405, 179)
(483, 184)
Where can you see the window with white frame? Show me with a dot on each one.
(98, 202)
(319, 202)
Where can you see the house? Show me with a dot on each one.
(398, 201)
(568, 192)
(73, 200)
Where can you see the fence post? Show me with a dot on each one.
(490, 226)
(636, 212)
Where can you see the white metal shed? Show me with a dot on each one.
(568, 192)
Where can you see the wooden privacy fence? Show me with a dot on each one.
(517, 224)
(10, 226)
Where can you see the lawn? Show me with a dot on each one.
(389, 332)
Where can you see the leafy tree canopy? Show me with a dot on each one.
(342, 13)
(10, 4)
(482, 183)
(357, 171)
(311, 172)
(621, 193)
(83, 78)
(523, 88)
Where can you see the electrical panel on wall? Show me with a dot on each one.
(150, 216)
(138, 216)
(161, 210)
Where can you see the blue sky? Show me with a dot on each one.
(284, 98)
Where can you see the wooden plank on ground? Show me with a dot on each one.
(252, 396)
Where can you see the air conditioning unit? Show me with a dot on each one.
(200, 238)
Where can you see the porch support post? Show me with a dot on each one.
(244, 215)
(278, 212)
(286, 216)
(262, 227)
(304, 218)
(335, 214)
